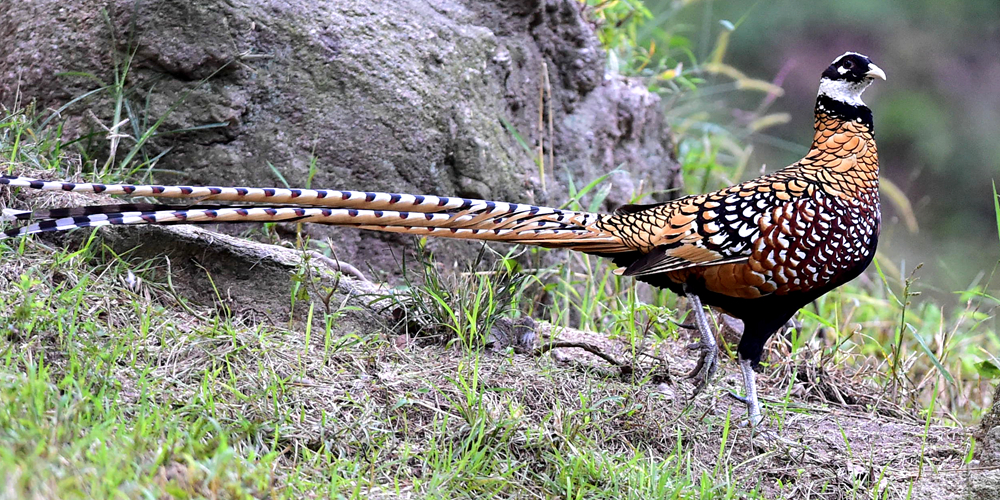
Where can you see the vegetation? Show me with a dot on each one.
(112, 385)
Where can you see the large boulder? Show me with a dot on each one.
(409, 95)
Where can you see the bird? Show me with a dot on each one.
(759, 250)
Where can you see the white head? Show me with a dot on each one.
(847, 77)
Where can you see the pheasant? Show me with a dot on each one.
(759, 251)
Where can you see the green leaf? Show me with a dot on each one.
(59, 112)
(602, 194)
(885, 282)
(517, 136)
(987, 369)
(821, 319)
(192, 129)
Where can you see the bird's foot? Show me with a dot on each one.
(753, 409)
(758, 432)
(739, 398)
(708, 363)
(750, 400)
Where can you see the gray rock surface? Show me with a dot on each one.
(988, 450)
(405, 96)
(984, 482)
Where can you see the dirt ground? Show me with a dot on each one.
(807, 440)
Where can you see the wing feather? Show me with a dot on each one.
(698, 231)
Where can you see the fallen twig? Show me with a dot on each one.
(624, 368)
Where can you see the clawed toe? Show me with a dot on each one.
(739, 398)
(704, 370)
(697, 368)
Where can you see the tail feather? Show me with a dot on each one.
(410, 214)
(310, 197)
(60, 213)
(419, 223)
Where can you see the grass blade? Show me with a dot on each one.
(996, 206)
(934, 359)
(277, 173)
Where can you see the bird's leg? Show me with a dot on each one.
(709, 360)
(750, 388)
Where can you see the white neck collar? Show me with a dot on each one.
(843, 90)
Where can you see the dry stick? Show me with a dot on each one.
(336, 280)
(541, 126)
(625, 368)
(177, 297)
(540, 130)
(338, 265)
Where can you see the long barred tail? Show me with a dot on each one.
(311, 197)
(401, 213)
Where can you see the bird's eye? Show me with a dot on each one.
(848, 64)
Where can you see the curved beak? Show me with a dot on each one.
(875, 72)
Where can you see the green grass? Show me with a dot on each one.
(82, 412)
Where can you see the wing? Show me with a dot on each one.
(705, 230)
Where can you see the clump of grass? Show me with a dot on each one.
(456, 307)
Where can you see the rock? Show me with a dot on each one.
(247, 279)
(984, 484)
(408, 96)
(988, 436)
